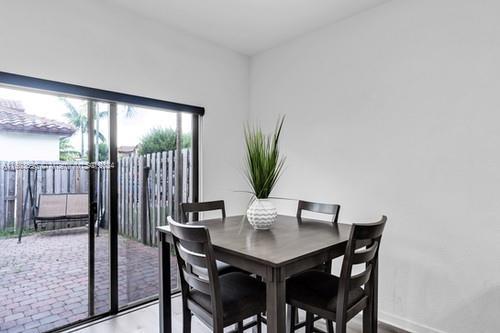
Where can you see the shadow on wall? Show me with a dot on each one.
(479, 314)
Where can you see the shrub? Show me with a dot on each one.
(103, 151)
(162, 139)
(66, 151)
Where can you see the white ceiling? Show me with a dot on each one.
(247, 26)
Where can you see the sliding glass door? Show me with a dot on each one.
(84, 182)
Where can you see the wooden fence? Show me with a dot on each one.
(45, 177)
(147, 194)
(146, 190)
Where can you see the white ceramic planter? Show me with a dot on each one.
(262, 214)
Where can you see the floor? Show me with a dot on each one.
(43, 280)
(145, 320)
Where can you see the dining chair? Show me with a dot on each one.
(328, 209)
(321, 208)
(339, 299)
(217, 300)
(197, 207)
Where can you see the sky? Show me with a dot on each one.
(130, 128)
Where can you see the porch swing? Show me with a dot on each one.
(60, 207)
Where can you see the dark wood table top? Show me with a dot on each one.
(287, 241)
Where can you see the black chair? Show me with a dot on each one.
(335, 298)
(327, 209)
(198, 207)
(218, 301)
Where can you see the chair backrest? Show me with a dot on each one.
(64, 205)
(77, 204)
(52, 205)
(198, 207)
(329, 209)
(362, 248)
(196, 263)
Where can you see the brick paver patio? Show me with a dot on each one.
(43, 280)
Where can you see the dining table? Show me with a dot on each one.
(292, 245)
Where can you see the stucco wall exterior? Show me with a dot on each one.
(28, 146)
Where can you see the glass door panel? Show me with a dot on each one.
(152, 179)
(101, 178)
(43, 211)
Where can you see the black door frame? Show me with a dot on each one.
(94, 95)
(91, 107)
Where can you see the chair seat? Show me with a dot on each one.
(242, 297)
(319, 290)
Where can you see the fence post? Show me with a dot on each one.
(185, 175)
(19, 198)
(135, 195)
(170, 183)
(164, 191)
(178, 183)
(143, 200)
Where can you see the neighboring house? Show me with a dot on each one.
(25, 136)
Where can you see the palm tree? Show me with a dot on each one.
(78, 118)
(130, 111)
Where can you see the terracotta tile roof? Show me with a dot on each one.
(13, 118)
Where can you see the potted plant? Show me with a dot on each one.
(264, 166)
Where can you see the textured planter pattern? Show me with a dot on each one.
(262, 214)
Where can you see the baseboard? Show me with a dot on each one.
(400, 324)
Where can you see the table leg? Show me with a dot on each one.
(165, 288)
(289, 317)
(276, 301)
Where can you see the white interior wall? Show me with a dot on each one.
(396, 111)
(94, 44)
